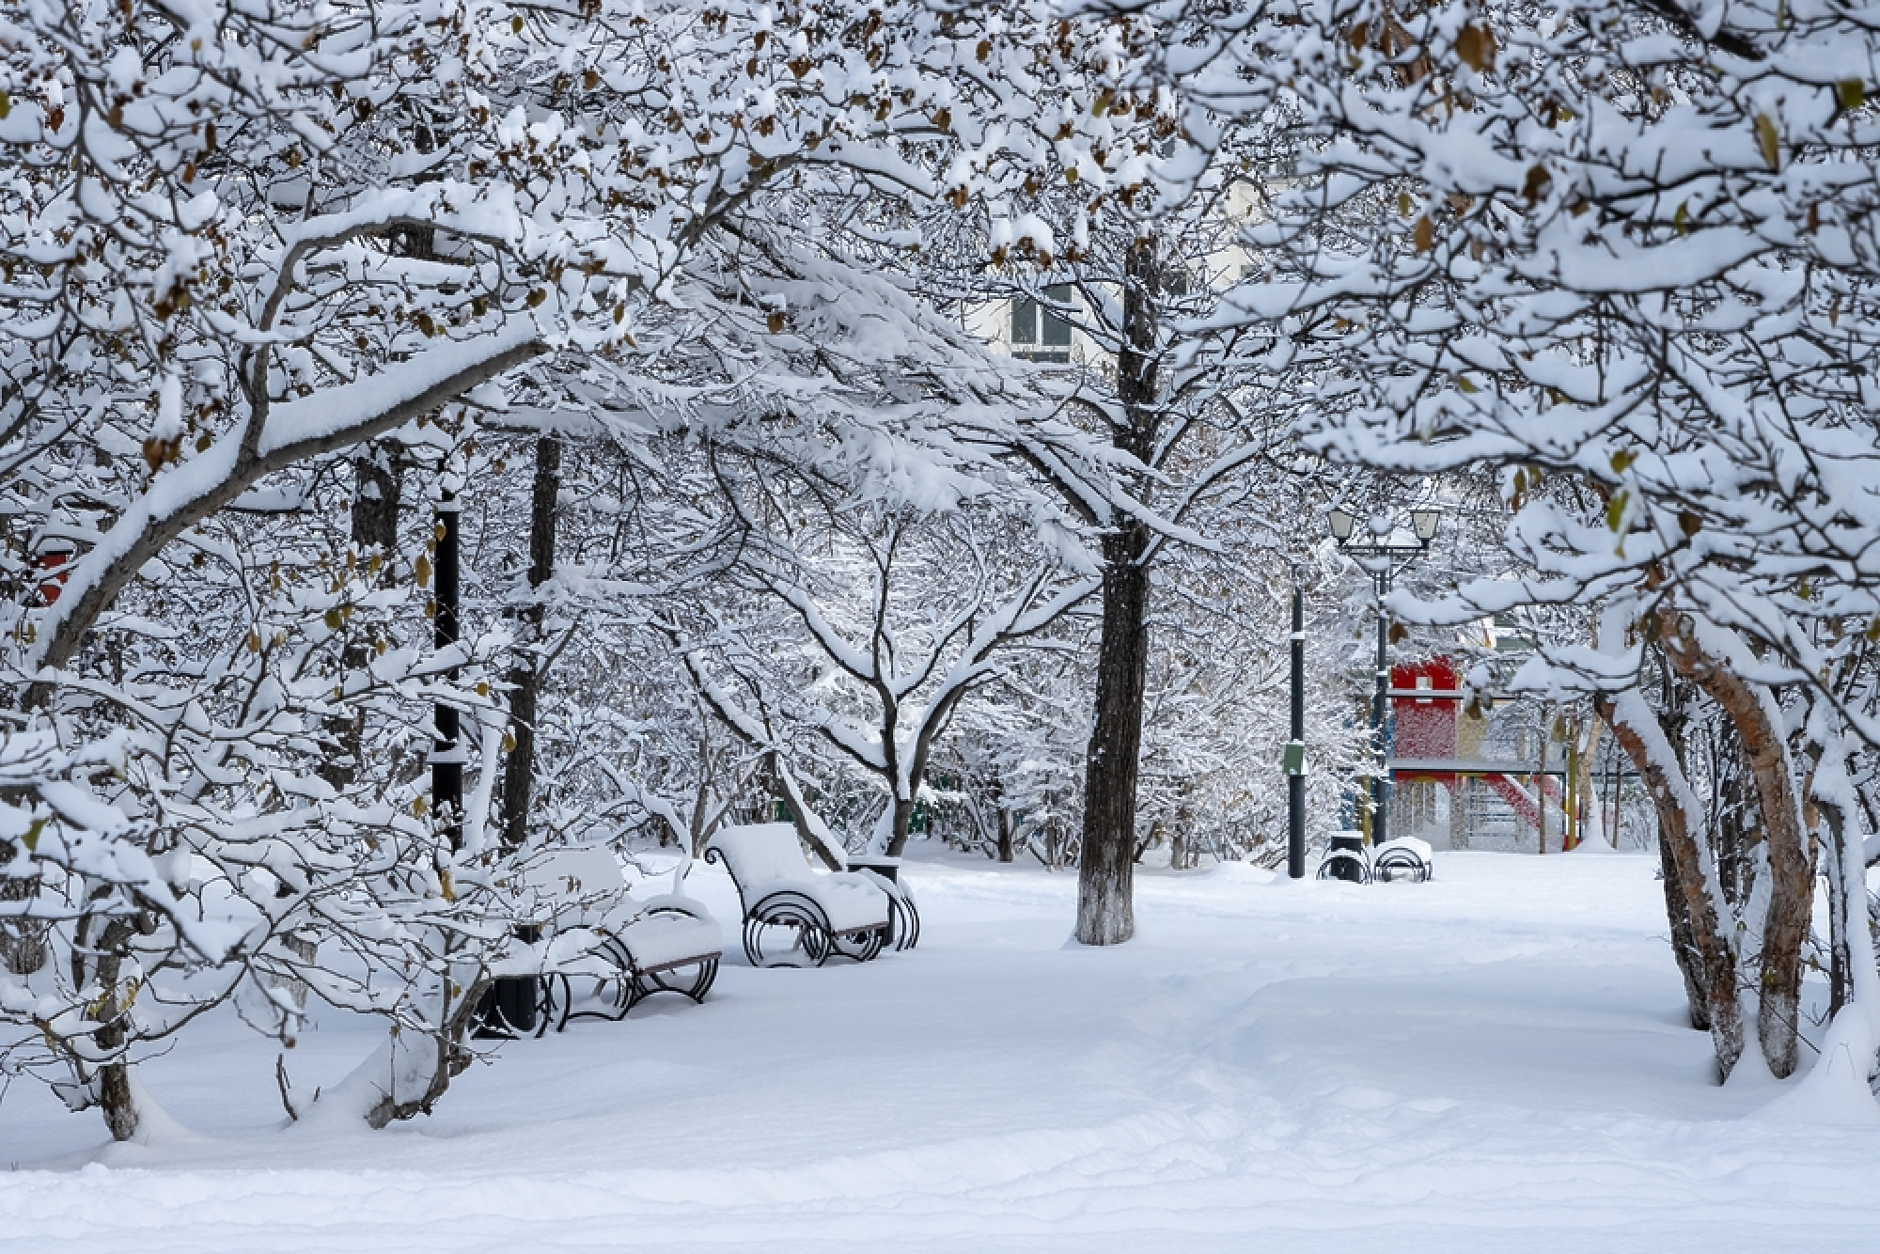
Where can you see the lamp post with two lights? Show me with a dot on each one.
(1384, 557)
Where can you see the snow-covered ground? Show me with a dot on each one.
(1492, 1061)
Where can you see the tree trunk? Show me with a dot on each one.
(526, 677)
(1106, 864)
(1585, 795)
(1684, 944)
(22, 940)
(903, 826)
(115, 1096)
(1105, 909)
(1843, 912)
(378, 492)
(1736, 836)
(1703, 952)
(450, 1059)
(102, 966)
(1003, 820)
(1791, 890)
(1827, 790)
(378, 489)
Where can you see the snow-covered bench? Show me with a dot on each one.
(1346, 860)
(795, 916)
(594, 929)
(1405, 858)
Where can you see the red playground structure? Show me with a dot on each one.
(1436, 742)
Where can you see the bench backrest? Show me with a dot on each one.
(760, 854)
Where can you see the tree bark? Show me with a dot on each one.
(1584, 794)
(1004, 827)
(1830, 825)
(1106, 865)
(1842, 913)
(816, 837)
(903, 826)
(1689, 954)
(1791, 876)
(529, 673)
(101, 965)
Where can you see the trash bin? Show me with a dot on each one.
(1345, 859)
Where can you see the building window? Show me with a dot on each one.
(1038, 334)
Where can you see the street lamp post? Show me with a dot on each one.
(447, 752)
(1384, 558)
(1295, 764)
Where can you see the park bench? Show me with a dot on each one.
(796, 916)
(592, 929)
(1405, 858)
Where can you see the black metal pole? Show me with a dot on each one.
(1380, 777)
(1296, 776)
(447, 754)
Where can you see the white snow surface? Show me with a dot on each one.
(1495, 1060)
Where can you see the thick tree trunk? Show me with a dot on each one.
(116, 1097)
(1684, 944)
(1106, 865)
(527, 676)
(1791, 889)
(1703, 952)
(378, 495)
(902, 828)
(1105, 908)
(1183, 853)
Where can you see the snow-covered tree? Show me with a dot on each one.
(1186, 410)
(1632, 251)
(898, 617)
(247, 237)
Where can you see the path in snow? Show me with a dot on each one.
(1494, 1060)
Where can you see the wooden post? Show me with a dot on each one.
(1540, 791)
(1571, 836)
